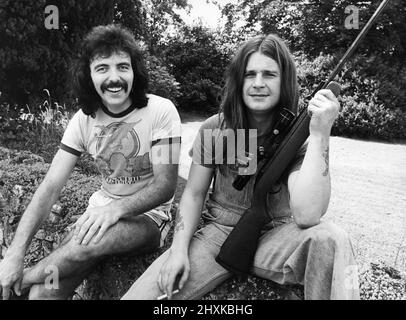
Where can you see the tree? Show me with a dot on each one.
(160, 18)
(33, 57)
(195, 58)
(315, 26)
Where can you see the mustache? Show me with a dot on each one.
(114, 84)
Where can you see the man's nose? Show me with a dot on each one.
(113, 75)
(259, 81)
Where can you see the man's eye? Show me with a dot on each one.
(124, 67)
(269, 74)
(101, 69)
(249, 75)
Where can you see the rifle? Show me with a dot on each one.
(238, 250)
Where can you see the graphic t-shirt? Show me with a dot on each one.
(224, 197)
(121, 145)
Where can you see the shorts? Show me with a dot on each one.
(162, 218)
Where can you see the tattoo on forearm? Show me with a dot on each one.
(179, 225)
(325, 156)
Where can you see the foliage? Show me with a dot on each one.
(369, 103)
(20, 175)
(382, 282)
(198, 65)
(162, 83)
(160, 20)
(32, 57)
(39, 132)
(186, 64)
(361, 120)
(130, 14)
(319, 26)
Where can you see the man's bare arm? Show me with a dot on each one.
(43, 199)
(310, 187)
(159, 190)
(95, 221)
(11, 267)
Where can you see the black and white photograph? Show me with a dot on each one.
(224, 151)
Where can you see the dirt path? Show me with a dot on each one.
(368, 193)
(369, 198)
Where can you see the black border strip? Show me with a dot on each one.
(167, 141)
(70, 150)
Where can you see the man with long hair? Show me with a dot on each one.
(296, 246)
(134, 138)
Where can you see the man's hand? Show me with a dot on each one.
(94, 223)
(323, 108)
(176, 265)
(11, 275)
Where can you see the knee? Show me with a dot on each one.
(40, 292)
(328, 234)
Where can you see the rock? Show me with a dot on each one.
(54, 218)
(56, 213)
(57, 209)
(18, 190)
(40, 235)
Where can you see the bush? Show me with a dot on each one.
(373, 103)
(161, 82)
(39, 132)
(198, 63)
(32, 57)
(369, 120)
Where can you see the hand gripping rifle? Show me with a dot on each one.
(238, 250)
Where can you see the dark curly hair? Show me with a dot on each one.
(104, 41)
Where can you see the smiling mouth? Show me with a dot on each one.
(114, 89)
(259, 95)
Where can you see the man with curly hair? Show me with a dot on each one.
(134, 138)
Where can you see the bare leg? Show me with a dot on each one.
(64, 290)
(73, 261)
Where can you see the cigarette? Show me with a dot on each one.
(164, 296)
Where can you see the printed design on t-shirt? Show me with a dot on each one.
(117, 149)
